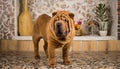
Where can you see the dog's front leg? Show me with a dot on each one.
(51, 51)
(66, 54)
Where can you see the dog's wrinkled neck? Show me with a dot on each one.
(62, 39)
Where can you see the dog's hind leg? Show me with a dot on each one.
(36, 47)
(46, 48)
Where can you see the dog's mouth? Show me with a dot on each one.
(61, 34)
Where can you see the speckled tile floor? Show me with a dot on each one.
(79, 60)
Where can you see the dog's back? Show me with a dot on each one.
(40, 26)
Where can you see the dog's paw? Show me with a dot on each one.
(37, 57)
(66, 62)
(52, 66)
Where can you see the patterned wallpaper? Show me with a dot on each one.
(6, 19)
(83, 10)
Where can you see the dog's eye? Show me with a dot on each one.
(66, 20)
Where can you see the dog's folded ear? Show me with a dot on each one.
(71, 15)
(54, 13)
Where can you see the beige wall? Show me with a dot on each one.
(14, 45)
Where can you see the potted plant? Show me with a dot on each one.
(78, 31)
(102, 19)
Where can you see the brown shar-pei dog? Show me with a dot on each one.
(57, 31)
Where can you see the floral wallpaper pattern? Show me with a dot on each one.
(6, 19)
(83, 10)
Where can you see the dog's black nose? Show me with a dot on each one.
(58, 25)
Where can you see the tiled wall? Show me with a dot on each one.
(83, 9)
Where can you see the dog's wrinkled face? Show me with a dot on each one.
(62, 22)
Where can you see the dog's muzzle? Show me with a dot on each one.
(59, 30)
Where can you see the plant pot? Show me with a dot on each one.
(78, 32)
(103, 33)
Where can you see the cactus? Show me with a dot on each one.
(102, 16)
